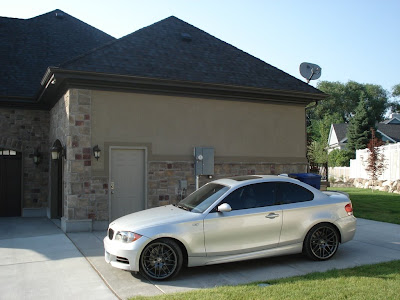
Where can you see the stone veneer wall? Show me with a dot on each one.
(25, 131)
(163, 177)
(58, 130)
(85, 197)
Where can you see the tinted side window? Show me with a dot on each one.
(292, 193)
(251, 196)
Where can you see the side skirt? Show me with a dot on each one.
(211, 260)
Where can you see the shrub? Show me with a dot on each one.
(340, 158)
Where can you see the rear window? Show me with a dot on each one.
(293, 193)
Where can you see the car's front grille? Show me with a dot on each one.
(110, 233)
(122, 260)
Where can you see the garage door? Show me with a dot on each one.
(10, 183)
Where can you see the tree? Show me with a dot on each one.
(340, 107)
(318, 134)
(395, 105)
(317, 153)
(396, 90)
(339, 158)
(359, 128)
(376, 159)
(344, 97)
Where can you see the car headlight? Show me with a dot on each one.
(127, 236)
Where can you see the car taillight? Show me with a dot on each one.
(349, 209)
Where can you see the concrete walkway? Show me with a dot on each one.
(374, 242)
(38, 261)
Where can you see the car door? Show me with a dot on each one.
(254, 223)
(298, 210)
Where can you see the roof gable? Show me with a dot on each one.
(175, 50)
(394, 120)
(341, 131)
(391, 131)
(29, 46)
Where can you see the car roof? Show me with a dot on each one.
(249, 179)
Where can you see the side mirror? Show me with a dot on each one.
(224, 207)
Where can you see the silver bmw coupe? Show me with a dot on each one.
(228, 220)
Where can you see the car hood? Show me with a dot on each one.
(152, 217)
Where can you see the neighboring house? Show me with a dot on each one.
(147, 100)
(389, 130)
(337, 136)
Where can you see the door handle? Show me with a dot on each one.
(112, 186)
(272, 216)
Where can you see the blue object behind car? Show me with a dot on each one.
(312, 179)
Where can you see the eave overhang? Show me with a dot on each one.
(57, 81)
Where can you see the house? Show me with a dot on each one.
(145, 103)
(337, 136)
(388, 129)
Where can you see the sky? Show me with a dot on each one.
(355, 40)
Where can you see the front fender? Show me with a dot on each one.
(190, 234)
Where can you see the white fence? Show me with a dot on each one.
(339, 173)
(358, 165)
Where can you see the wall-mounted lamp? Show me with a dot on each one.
(36, 157)
(96, 152)
(57, 152)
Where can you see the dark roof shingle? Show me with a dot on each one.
(341, 131)
(390, 130)
(29, 46)
(160, 51)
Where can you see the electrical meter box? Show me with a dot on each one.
(204, 161)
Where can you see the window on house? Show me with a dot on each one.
(6, 152)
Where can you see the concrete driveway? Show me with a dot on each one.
(374, 242)
(38, 261)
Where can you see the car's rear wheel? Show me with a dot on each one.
(161, 259)
(321, 242)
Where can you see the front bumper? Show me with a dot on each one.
(124, 256)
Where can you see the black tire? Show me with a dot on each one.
(321, 242)
(161, 259)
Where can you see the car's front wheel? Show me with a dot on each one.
(321, 242)
(161, 259)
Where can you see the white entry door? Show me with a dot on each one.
(127, 181)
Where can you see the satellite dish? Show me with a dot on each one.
(310, 71)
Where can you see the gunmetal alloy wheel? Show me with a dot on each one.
(321, 242)
(161, 259)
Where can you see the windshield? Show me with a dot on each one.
(201, 199)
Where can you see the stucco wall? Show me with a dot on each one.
(174, 125)
(248, 138)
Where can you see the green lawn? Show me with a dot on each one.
(374, 205)
(379, 281)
